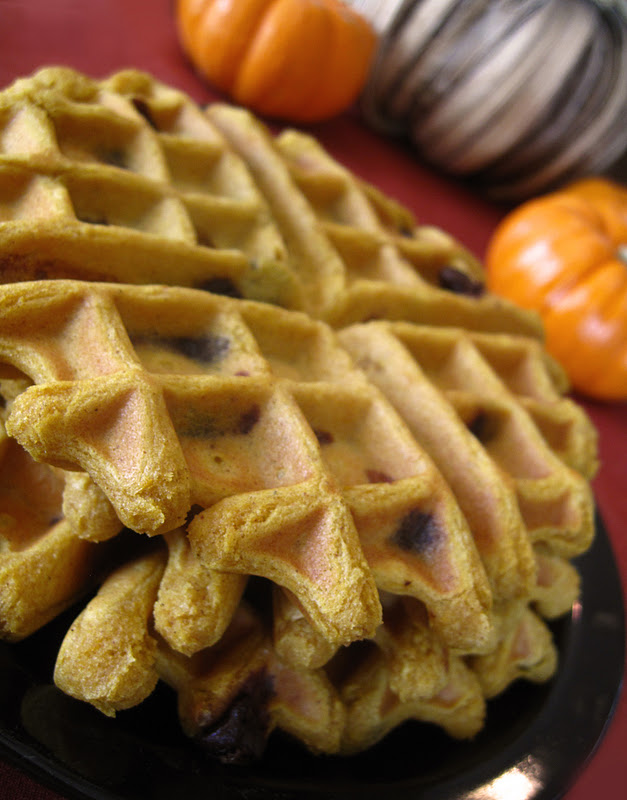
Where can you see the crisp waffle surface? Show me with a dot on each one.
(118, 188)
(298, 464)
(88, 166)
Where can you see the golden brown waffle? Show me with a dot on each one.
(392, 457)
(557, 584)
(87, 378)
(231, 697)
(44, 566)
(524, 649)
(195, 604)
(461, 395)
(374, 709)
(357, 254)
(117, 180)
(174, 406)
(99, 186)
(413, 536)
(356, 457)
(353, 501)
(108, 656)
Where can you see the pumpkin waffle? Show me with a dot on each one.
(471, 384)
(413, 536)
(44, 566)
(117, 180)
(357, 254)
(373, 708)
(391, 456)
(524, 649)
(101, 184)
(557, 585)
(163, 397)
(232, 696)
(211, 365)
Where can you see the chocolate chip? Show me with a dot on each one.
(198, 425)
(223, 286)
(483, 427)
(377, 476)
(240, 735)
(454, 280)
(324, 437)
(204, 240)
(203, 349)
(418, 533)
(248, 420)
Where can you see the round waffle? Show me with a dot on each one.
(300, 464)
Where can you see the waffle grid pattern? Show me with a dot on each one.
(330, 517)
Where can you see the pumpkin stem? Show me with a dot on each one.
(621, 253)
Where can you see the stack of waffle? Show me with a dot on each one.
(299, 464)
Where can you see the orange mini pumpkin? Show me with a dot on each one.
(299, 60)
(565, 255)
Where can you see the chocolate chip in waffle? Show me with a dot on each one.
(466, 398)
(357, 254)
(414, 538)
(119, 179)
(163, 397)
(429, 499)
(100, 184)
(232, 696)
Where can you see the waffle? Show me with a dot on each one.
(260, 377)
(118, 179)
(231, 697)
(194, 604)
(461, 394)
(373, 709)
(524, 649)
(89, 189)
(360, 485)
(77, 364)
(358, 254)
(341, 481)
(204, 407)
(108, 664)
(44, 566)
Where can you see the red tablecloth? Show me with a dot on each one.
(101, 36)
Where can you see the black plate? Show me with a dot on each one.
(535, 741)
